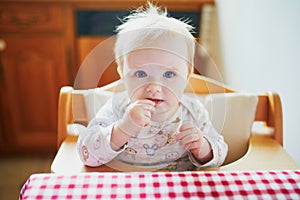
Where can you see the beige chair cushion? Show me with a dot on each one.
(232, 114)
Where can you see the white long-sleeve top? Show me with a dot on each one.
(154, 147)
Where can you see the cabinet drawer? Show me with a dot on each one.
(30, 18)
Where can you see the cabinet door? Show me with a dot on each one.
(34, 68)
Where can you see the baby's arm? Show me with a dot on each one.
(207, 147)
(106, 136)
(93, 146)
(137, 116)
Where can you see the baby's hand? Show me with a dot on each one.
(137, 116)
(190, 137)
(140, 112)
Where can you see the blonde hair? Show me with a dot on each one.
(145, 25)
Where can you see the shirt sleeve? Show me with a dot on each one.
(93, 144)
(215, 139)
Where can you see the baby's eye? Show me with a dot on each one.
(169, 74)
(140, 74)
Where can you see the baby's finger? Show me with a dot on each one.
(185, 126)
(186, 132)
(147, 114)
(146, 105)
(146, 101)
(193, 145)
(189, 139)
(149, 108)
(146, 121)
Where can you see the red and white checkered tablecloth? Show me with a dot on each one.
(165, 185)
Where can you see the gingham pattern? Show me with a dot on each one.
(165, 185)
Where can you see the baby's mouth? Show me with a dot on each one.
(156, 101)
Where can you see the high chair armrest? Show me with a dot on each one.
(264, 153)
(64, 113)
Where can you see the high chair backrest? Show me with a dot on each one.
(232, 113)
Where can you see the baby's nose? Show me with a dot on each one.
(153, 87)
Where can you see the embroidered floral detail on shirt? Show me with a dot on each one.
(176, 120)
(170, 139)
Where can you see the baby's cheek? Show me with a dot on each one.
(176, 88)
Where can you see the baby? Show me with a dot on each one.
(153, 124)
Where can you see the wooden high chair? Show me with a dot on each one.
(262, 151)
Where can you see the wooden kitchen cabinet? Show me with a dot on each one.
(44, 50)
(34, 65)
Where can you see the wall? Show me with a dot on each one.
(260, 51)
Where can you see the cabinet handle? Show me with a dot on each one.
(2, 48)
(2, 45)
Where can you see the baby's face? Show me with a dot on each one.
(157, 75)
